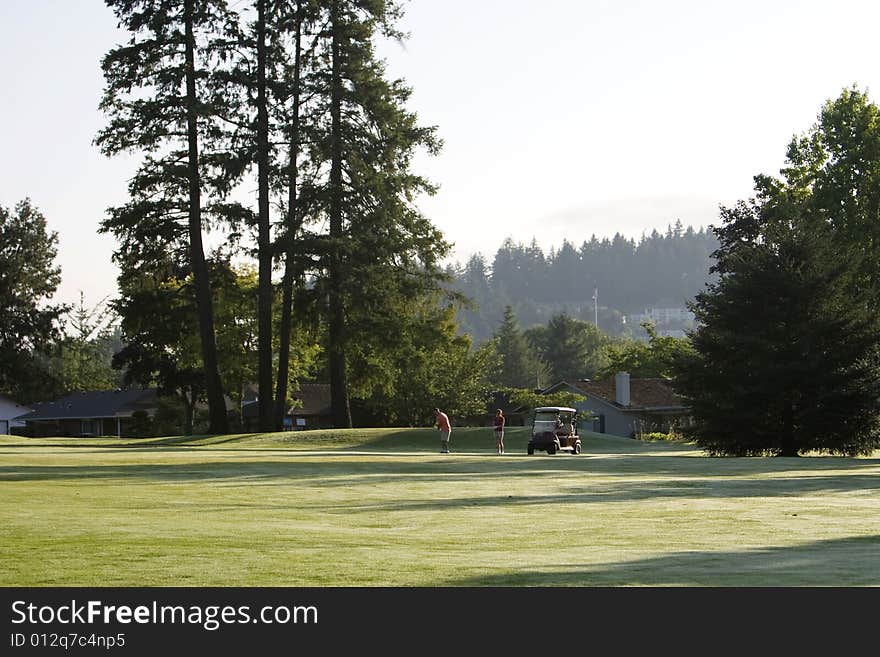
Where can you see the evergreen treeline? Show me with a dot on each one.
(665, 270)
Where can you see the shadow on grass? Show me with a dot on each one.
(112, 442)
(853, 561)
(577, 480)
(662, 456)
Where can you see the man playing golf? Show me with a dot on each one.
(445, 430)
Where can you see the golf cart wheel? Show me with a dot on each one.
(530, 449)
(576, 449)
(551, 449)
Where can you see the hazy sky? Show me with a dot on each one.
(561, 118)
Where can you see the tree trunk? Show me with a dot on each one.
(188, 411)
(292, 229)
(264, 312)
(338, 383)
(788, 442)
(218, 420)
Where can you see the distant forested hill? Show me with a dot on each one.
(660, 270)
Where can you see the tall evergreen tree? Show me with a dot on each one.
(339, 398)
(517, 361)
(380, 248)
(802, 259)
(296, 17)
(159, 101)
(265, 87)
(264, 237)
(785, 361)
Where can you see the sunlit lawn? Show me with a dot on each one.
(384, 508)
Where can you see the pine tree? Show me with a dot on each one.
(296, 19)
(788, 346)
(159, 101)
(572, 348)
(380, 249)
(517, 360)
(264, 237)
(785, 360)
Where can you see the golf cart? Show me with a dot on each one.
(554, 428)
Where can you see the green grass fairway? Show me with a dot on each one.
(381, 507)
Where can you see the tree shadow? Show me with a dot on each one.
(575, 481)
(852, 561)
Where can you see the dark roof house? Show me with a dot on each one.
(10, 410)
(625, 406)
(90, 413)
(310, 410)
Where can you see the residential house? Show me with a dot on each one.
(310, 410)
(668, 322)
(9, 411)
(663, 316)
(90, 413)
(626, 406)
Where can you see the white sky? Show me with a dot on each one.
(561, 118)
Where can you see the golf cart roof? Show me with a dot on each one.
(555, 409)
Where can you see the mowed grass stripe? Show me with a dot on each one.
(382, 508)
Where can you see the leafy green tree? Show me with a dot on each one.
(84, 356)
(158, 324)
(159, 321)
(630, 355)
(572, 348)
(236, 303)
(810, 240)
(464, 388)
(427, 365)
(28, 280)
(656, 359)
(530, 399)
(785, 359)
(832, 180)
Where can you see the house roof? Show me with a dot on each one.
(314, 400)
(644, 394)
(94, 404)
(11, 409)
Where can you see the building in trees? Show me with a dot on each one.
(625, 406)
(91, 413)
(10, 411)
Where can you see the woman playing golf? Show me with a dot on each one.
(498, 422)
